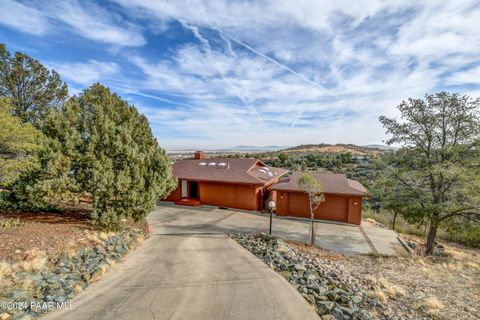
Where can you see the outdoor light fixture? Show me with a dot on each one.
(271, 206)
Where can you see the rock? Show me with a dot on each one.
(362, 315)
(60, 298)
(332, 296)
(324, 307)
(19, 295)
(340, 292)
(302, 289)
(347, 311)
(299, 267)
(327, 317)
(338, 314)
(356, 299)
(310, 298)
(309, 276)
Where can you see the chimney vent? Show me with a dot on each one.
(198, 155)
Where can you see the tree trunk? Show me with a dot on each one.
(432, 233)
(312, 232)
(394, 220)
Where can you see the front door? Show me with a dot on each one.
(193, 192)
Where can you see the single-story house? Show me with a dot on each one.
(223, 182)
(343, 198)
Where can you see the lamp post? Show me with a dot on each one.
(271, 206)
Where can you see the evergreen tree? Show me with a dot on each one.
(102, 147)
(437, 170)
(31, 87)
(19, 144)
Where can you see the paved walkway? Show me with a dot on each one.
(339, 237)
(189, 276)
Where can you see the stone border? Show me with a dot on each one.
(332, 299)
(60, 278)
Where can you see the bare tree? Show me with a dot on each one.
(314, 191)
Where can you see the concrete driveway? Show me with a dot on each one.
(344, 238)
(188, 275)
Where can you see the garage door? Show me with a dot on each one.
(334, 208)
(298, 205)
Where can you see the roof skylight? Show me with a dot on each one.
(211, 164)
(201, 164)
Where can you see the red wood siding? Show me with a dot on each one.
(336, 207)
(175, 194)
(229, 195)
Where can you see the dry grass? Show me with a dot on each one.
(378, 294)
(93, 236)
(431, 305)
(5, 269)
(10, 223)
(35, 264)
(77, 288)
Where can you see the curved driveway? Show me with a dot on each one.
(189, 275)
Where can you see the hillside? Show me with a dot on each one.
(335, 148)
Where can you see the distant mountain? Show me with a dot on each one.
(254, 148)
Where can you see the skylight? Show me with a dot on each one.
(222, 164)
(201, 164)
(211, 164)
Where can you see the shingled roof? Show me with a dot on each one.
(232, 170)
(332, 183)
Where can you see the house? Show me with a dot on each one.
(223, 182)
(343, 198)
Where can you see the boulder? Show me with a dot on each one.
(324, 307)
(299, 267)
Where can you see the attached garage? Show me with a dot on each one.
(343, 198)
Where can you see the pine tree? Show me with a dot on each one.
(436, 171)
(31, 87)
(19, 144)
(111, 154)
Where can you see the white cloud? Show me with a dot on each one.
(87, 73)
(94, 22)
(21, 17)
(301, 71)
(470, 76)
(83, 18)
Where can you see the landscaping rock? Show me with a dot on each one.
(59, 279)
(299, 267)
(338, 314)
(324, 307)
(333, 298)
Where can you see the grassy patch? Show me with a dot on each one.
(10, 223)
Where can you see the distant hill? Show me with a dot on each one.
(254, 148)
(334, 148)
(379, 146)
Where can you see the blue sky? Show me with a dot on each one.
(213, 74)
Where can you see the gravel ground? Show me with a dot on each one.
(49, 232)
(409, 287)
